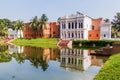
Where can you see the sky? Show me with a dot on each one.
(26, 9)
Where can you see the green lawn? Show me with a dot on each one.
(38, 42)
(110, 70)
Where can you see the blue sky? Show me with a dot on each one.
(27, 9)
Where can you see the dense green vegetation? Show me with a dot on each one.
(35, 24)
(110, 70)
(39, 24)
(6, 23)
(37, 42)
(116, 25)
(92, 43)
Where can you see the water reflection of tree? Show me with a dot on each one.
(37, 56)
(3, 48)
(19, 57)
(4, 55)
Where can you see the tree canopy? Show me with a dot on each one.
(116, 24)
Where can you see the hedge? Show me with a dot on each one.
(93, 43)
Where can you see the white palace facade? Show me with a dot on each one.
(77, 27)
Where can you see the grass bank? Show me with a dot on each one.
(38, 42)
(110, 70)
(92, 43)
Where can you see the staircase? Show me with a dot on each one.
(64, 43)
(8, 42)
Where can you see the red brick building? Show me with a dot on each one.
(51, 31)
(94, 34)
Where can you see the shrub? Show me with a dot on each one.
(93, 43)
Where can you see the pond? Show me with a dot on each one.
(33, 63)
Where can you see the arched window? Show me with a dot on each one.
(68, 60)
(81, 25)
(68, 35)
(65, 35)
(104, 35)
(76, 35)
(79, 35)
(68, 25)
(82, 35)
(64, 26)
(75, 25)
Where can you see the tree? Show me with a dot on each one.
(59, 20)
(43, 21)
(3, 29)
(106, 20)
(35, 24)
(116, 24)
(19, 25)
(7, 22)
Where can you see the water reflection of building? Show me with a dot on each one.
(47, 53)
(15, 49)
(75, 59)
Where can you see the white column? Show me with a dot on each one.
(66, 25)
(70, 25)
(66, 61)
(77, 35)
(70, 34)
(74, 35)
(74, 24)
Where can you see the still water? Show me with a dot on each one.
(31, 63)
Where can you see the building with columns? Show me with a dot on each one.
(75, 27)
(82, 27)
(75, 59)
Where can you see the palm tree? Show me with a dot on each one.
(19, 25)
(35, 24)
(43, 21)
(3, 29)
(7, 22)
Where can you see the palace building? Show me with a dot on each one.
(82, 27)
(75, 27)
